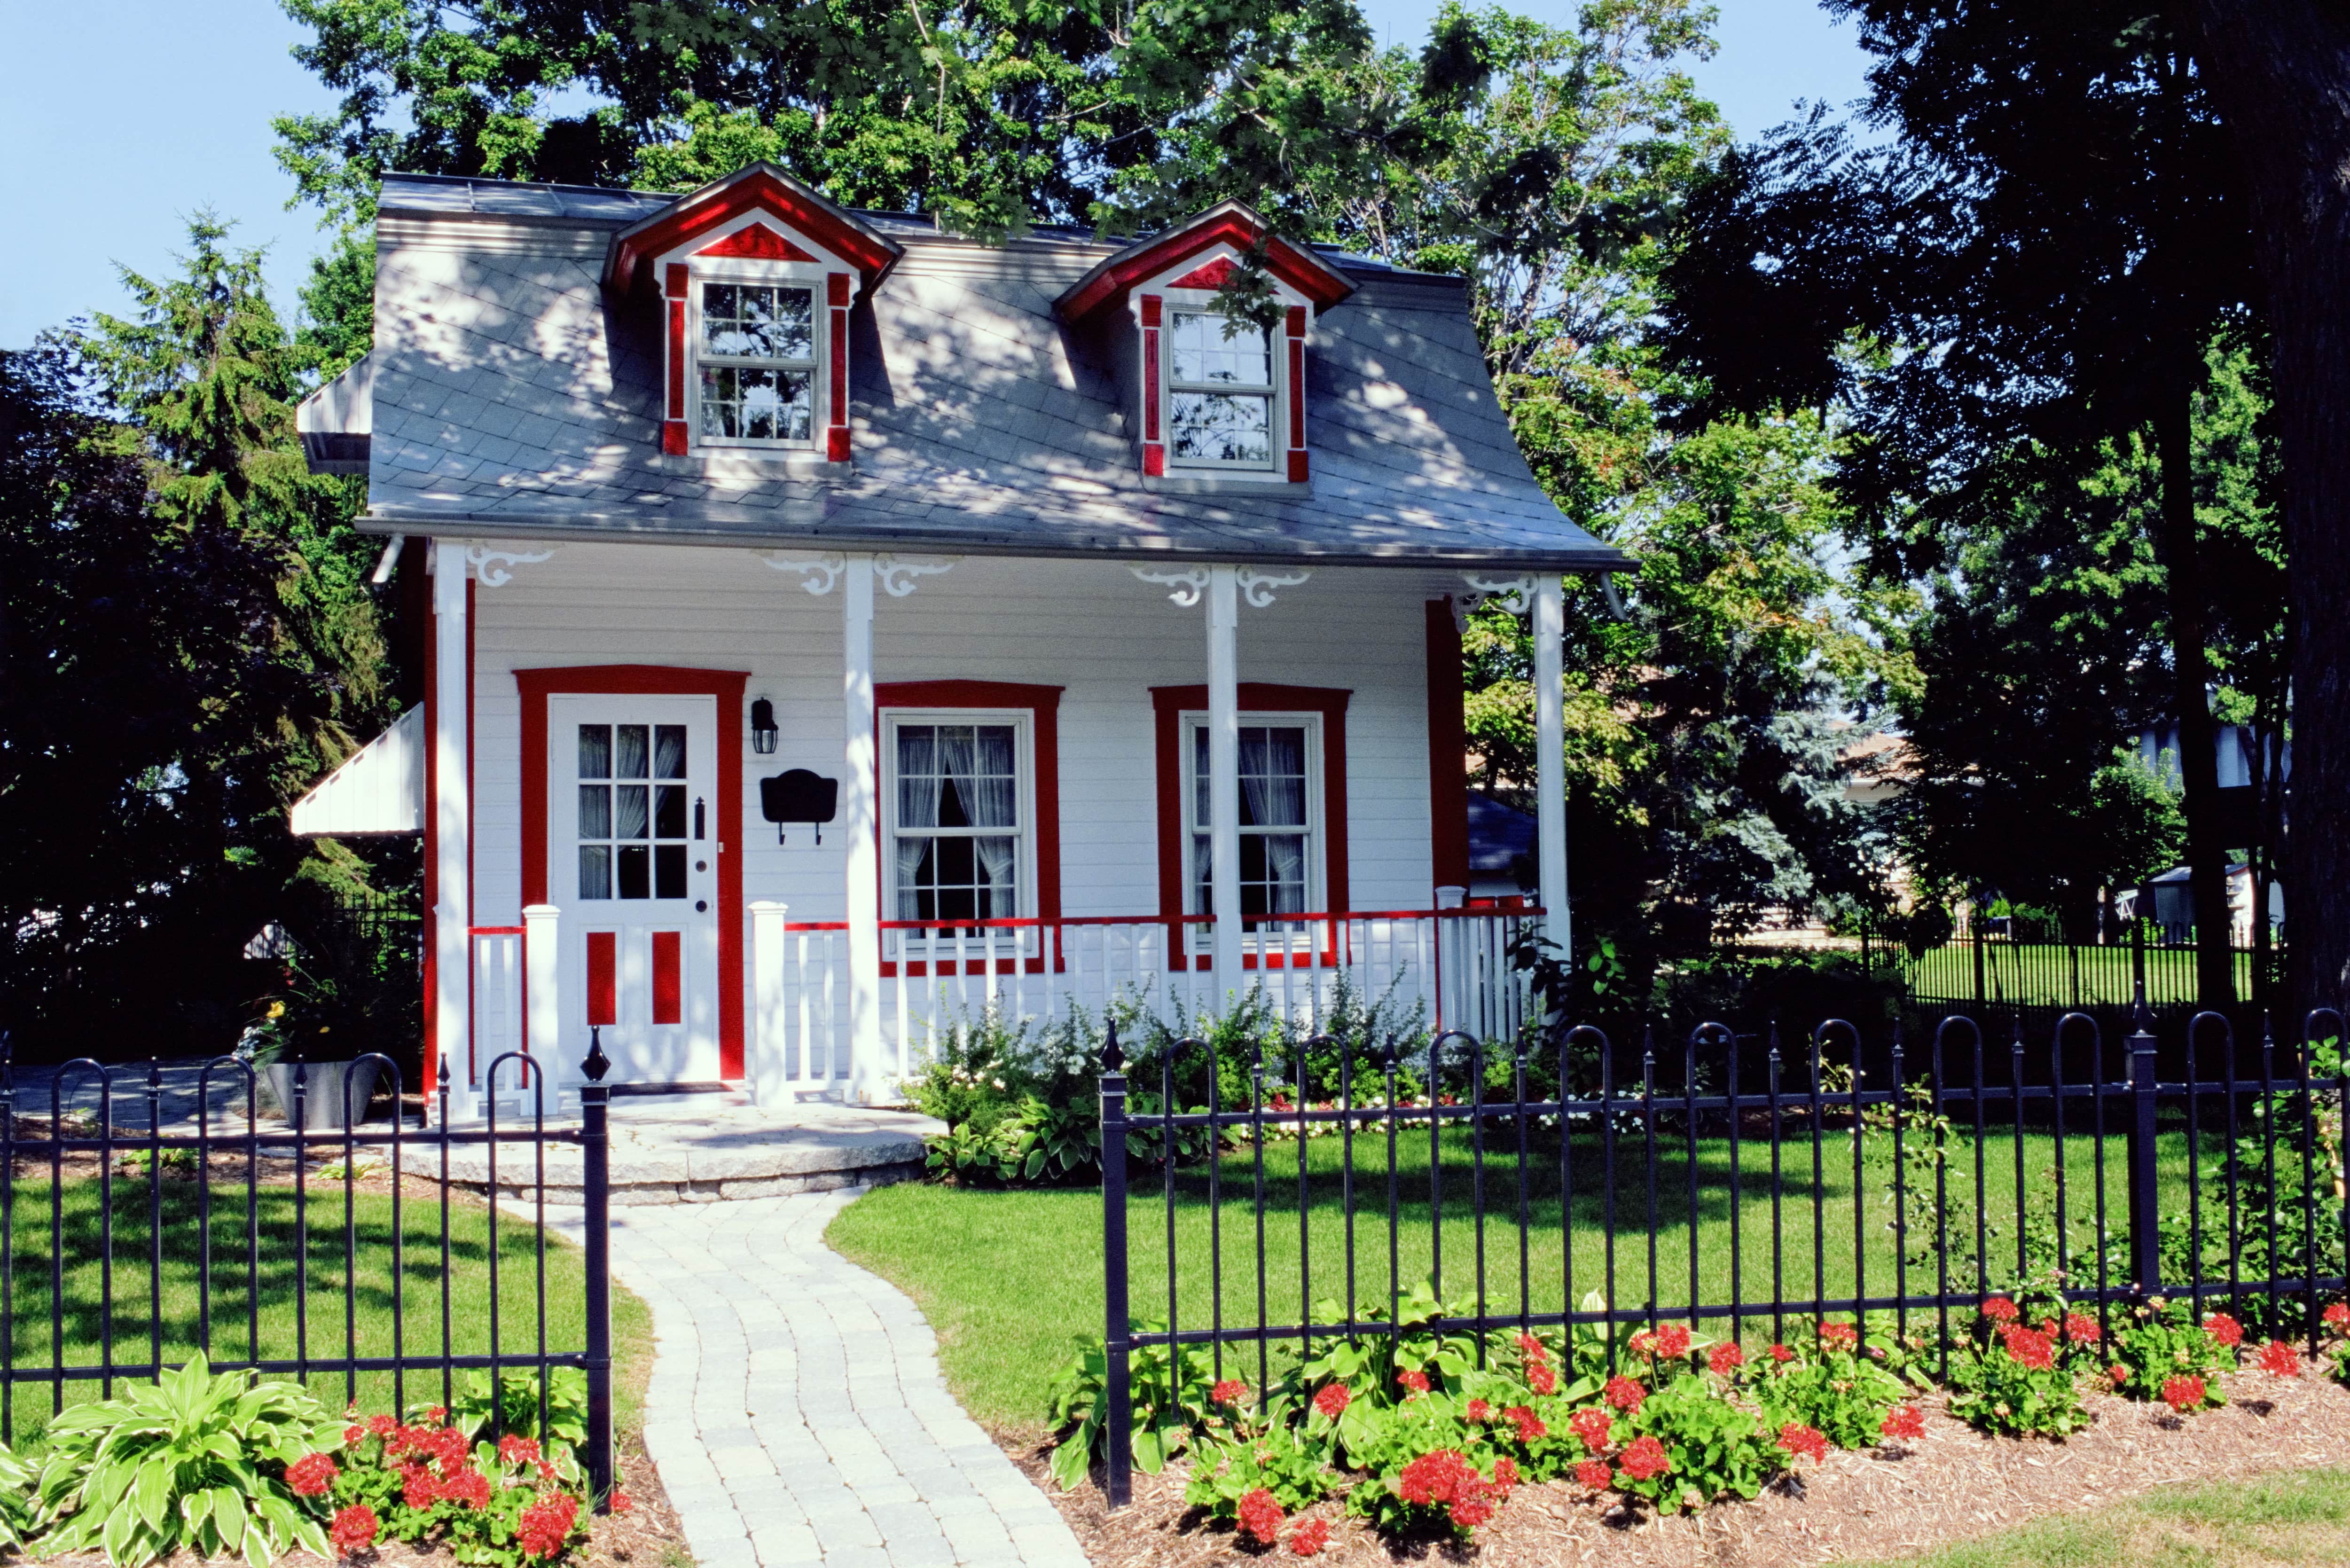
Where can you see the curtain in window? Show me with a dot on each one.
(918, 806)
(1273, 794)
(988, 795)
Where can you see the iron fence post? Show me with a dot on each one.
(595, 1159)
(2144, 1191)
(1118, 1395)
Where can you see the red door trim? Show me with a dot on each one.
(1169, 703)
(1043, 705)
(652, 681)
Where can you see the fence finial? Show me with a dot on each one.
(597, 1063)
(1112, 1058)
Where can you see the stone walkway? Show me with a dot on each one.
(796, 1412)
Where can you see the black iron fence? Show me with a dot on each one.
(1988, 969)
(153, 1215)
(1341, 1190)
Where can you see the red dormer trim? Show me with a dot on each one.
(761, 187)
(1229, 224)
(1215, 274)
(759, 241)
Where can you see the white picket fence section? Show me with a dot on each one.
(498, 1024)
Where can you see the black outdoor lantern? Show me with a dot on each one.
(763, 727)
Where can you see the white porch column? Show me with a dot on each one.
(1225, 780)
(542, 969)
(768, 1086)
(1550, 753)
(860, 821)
(453, 944)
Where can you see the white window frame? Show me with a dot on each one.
(1196, 301)
(1317, 844)
(758, 273)
(1024, 762)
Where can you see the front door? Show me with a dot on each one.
(634, 839)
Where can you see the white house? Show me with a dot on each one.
(1113, 650)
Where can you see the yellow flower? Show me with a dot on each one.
(276, 1010)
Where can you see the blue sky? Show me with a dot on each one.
(122, 117)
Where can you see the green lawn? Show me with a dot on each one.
(295, 1297)
(2040, 974)
(2299, 1517)
(1010, 1280)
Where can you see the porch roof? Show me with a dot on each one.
(513, 396)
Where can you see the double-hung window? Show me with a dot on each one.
(958, 820)
(1220, 391)
(755, 362)
(1279, 860)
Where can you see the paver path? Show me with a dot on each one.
(796, 1412)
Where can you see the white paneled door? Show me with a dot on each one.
(632, 862)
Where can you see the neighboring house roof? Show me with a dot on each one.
(1499, 835)
(514, 393)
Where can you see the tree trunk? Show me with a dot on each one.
(2190, 663)
(2279, 71)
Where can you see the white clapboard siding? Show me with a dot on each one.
(379, 790)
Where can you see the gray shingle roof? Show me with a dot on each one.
(512, 395)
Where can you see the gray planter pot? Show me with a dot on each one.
(323, 1087)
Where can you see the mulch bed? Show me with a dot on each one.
(1888, 1503)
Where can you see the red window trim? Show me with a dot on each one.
(1043, 705)
(1447, 750)
(652, 680)
(1168, 704)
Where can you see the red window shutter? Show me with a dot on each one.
(1154, 450)
(674, 440)
(1296, 335)
(836, 299)
(669, 978)
(603, 983)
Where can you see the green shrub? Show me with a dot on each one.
(516, 1408)
(1169, 1388)
(2016, 1381)
(1275, 1459)
(1832, 1386)
(193, 1462)
(1716, 1448)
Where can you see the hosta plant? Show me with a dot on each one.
(195, 1461)
(17, 1479)
(516, 1409)
(1170, 1388)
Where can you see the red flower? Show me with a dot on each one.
(1645, 1459)
(354, 1529)
(1781, 1355)
(2337, 1316)
(1904, 1423)
(1798, 1439)
(354, 1434)
(1506, 1475)
(1643, 1343)
(1541, 1378)
(468, 1485)
(312, 1474)
(518, 1451)
(2224, 1330)
(1228, 1393)
(1260, 1516)
(1415, 1381)
(1999, 1309)
(2183, 1394)
(1673, 1342)
(1331, 1400)
(2081, 1329)
(546, 1525)
(2278, 1360)
(1591, 1426)
(2035, 1349)
(1625, 1395)
(1530, 1426)
(622, 1502)
(383, 1426)
(1725, 1357)
(1595, 1474)
(1839, 1335)
(1531, 1348)
(1479, 1411)
(416, 1486)
(436, 1414)
(1309, 1538)
(1435, 1477)
(2119, 1373)
(1470, 1512)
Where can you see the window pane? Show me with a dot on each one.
(669, 871)
(635, 865)
(594, 811)
(629, 812)
(750, 403)
(595, 871)
(1203, 877)
(1215, 427)
(757, 322)
(1272, 777)
(1203, 352)
(668, 751)
(595, 751)
(630, 764)
(668, 811)
(1199, 777)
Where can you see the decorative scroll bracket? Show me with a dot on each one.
(490, 563)
(897, 576)
(1515, 595)
(1189, 583)
(817, 575)
(1257, 586)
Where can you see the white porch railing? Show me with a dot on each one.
(496, 1025)
(1453, 964)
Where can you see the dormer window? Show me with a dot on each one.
(756, 364)
(1221, 391)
